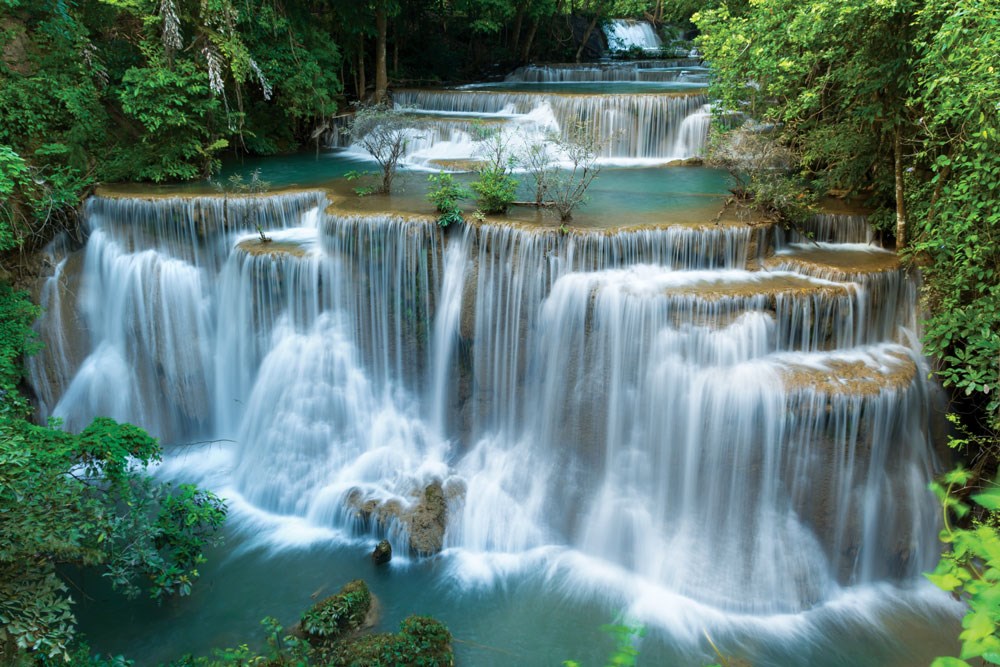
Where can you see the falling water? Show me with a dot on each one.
(624, 34)
(633, 125)
(685, 70)
(725, 415)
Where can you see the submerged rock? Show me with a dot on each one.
(340, 614)
(382, 553)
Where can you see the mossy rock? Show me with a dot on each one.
(382, 553)
(338, 614)
(421, 642)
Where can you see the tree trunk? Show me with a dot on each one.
(900, 193)
(516, 30)
(395, 48)
(526, 50)
(362, 84)
(381, 76)
(586, 36)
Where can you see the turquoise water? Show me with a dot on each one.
(618, 196)
(534, 616)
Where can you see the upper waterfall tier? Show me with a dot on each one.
(680, 70)
(625, 34)
(633, 125)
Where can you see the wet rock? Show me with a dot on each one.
(686, 162)
(382, 553)
(425, 520)
(428, 520)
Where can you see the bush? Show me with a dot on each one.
(446, 196)
(340, 613)
(421, 642)
(496, 190)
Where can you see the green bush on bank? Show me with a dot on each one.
(81, 500)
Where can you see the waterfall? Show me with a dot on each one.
(141, 303)
(633, 125)
(653, 400)
(687, 70)
(828, 227)
(623, 34)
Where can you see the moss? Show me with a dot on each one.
(421, 642)
(338, 614)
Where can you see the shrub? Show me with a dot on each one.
(496, 190)
(421, 642)
(339, 613)
(446, 196)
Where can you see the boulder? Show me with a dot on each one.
(382, 553)
(428, 520)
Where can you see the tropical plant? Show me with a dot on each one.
(445, 196)
(82, 500)
(496, 186)
(970, 568)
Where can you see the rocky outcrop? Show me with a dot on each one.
(428, 520)
(425, 520)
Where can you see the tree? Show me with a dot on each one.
(832, 77)
(382, 131)
(891, 101)
(568, 187)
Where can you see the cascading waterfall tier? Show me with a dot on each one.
(634, 126)
(142, 305)
(688, 70)
(639, 398)
(624, 34)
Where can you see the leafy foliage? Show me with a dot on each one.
(956, 213)
(970, 568)
(421, 642)
(110, 90)
(175, 109)
(895, 102)
(338, 613)
(445, 196)
(82, 499)
(496, 187)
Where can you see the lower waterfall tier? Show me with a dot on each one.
(633, 398)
